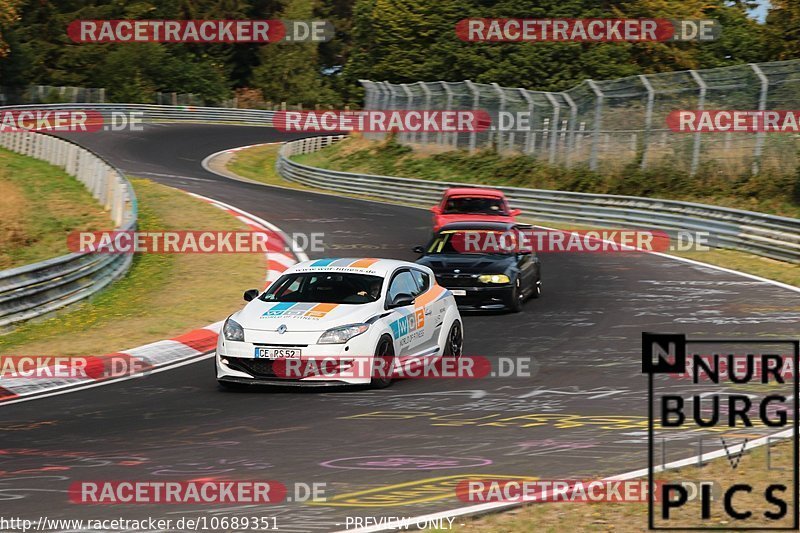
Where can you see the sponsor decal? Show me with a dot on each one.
(299, 310)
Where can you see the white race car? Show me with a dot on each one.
(338, 321)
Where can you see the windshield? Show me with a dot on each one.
(325, 287)
(479, 242)
(474, 205)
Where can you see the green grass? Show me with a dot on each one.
(768, 193)
(163, 295)
(40, 205)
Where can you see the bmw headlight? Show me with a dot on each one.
(232, 330)
(342, 334)
(494, 278)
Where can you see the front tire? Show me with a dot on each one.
(454, 343)
(385, 352)
(514, 303)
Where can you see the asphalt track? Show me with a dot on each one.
(584, 335)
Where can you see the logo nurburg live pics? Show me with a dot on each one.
(715, 396)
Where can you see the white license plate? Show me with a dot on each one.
(458, 292)
(277, 353)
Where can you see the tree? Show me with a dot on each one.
(290, 71)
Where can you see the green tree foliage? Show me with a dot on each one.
(410, 40)
(783, 24)
(393, 40)
(289, 72)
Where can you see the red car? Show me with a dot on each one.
(468, 204)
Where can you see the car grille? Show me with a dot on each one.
(258, 368)
(450, 281)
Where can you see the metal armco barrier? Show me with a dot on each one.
(33, 290)
(765, 235)
(164, 113)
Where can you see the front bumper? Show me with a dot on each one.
(236, 363)
(484, 297)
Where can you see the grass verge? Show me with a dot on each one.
(632, 517)
(40, 205)
(767, 193)
(258, 163)
(162, 296)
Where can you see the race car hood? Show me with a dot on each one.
(468, 263)
(268, 316)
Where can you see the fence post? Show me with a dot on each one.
(701, 102)
(553, 125)
(427, 91)
(530, 135)
(476, 98)
(498, 133)
(648, 118)
(598, 116)
(448, 106)
(409, 135)
(762, 105)
(573, 117)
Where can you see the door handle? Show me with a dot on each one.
(428, 312)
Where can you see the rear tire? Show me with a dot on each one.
(385, 352)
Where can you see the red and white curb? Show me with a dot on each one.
(166, 354)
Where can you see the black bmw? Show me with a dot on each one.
(482, 274)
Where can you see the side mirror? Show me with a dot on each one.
(516, 212)
(418, 249)
(250, 295)
(401, 300)
(435, 210)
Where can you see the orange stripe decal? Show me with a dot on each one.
(321, 310)
(363, 263)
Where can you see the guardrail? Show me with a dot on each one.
(765, 235)
(165, 113)
(34, 290)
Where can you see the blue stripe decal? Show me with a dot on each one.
(322, 262)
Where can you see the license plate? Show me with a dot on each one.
(277, 353)
(458, 292)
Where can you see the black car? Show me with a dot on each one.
(481, 276)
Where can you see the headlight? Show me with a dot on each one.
(342, 334)
(494, 278)
(233, 331)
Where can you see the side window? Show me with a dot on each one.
(402, 283)
(423, 281)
